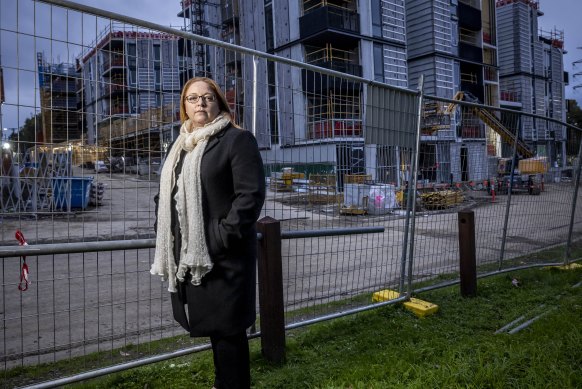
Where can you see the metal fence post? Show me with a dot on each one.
(411, 198)
(254, 102)
(271, 290)
(509, 190)
(467, 260)
(568, 251)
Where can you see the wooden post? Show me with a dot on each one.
(467, 264)
(271, 290)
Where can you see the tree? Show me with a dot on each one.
(574, 115)
(26, 136)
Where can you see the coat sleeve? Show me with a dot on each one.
(157, 196)
(249, 193)
(156, 203)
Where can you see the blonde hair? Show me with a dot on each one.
(220, 98)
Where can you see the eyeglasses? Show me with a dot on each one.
(193, 99)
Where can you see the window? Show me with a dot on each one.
(273, 119)
(157, 66)
(157, 52)
(271, 74)
(157, 76)
(131, 50)
(376, 18)
(378, 63)
(131, 63)
(270, 38)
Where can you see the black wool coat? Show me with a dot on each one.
(233, 192)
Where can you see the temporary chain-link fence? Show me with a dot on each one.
(95, 98)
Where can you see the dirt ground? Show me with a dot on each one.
(80, 303)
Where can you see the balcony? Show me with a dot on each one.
(469, 16)
(316, 82)
(324, 24)
(112, 61)
(334, 128)
(344, 67)
(470, 52)
(330, 57)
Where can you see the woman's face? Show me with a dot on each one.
(205, 109)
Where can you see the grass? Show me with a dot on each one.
(391, 348)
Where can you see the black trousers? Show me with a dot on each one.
(231, 361)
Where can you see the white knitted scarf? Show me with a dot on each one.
(194, 251)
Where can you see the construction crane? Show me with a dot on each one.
(438, 117)
(490, 119)
(451, 107)
(434, 112)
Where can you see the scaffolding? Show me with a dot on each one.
(58, 101)
(335, 115)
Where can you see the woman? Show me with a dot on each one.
(212, 189)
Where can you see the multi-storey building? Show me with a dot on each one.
(58, 102)
(304, 115)
(532, 76)
(459, 56)
(129, 86)
(301, 112)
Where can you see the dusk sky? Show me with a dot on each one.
(560, 14)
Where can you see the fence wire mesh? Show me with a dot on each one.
(91, 105)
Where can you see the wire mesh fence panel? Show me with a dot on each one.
(496, 176)
(93, 105)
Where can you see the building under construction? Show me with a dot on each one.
(454, 44)
(129, 89)
(459, 61)
(532, 76)
(58, 102)
(300, 111)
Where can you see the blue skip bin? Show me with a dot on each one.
(71, 192)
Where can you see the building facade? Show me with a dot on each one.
(303, 115)
(58, 102)
(532, 76)
(459, 61)
(129, 86)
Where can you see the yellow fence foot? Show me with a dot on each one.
(419, 307)
(570, 266)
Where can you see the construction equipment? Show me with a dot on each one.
(451, 107)
(434, 118)
(441, 199)
(437, 117)
(528, 180)
(494, 123)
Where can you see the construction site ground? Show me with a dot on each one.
(127, 212)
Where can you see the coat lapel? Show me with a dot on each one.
(211, 143)
(215, 140)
